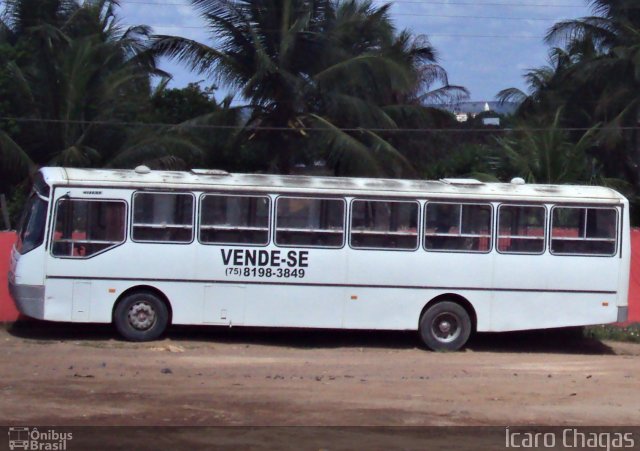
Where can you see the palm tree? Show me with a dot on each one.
(309, 69)
(543, 153)
(609, 74)
(77, 76)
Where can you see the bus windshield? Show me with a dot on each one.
(31, 231)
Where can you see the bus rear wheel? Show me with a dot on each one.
(141, 316)
(445, 326)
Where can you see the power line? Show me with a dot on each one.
(415, 14)
(448, 35)
(298, 130)
(444, 16)
(454, 16)
(437, 16)
(423, 2)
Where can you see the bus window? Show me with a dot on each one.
(584, 231)
(227, 219)
(521, 229)
(87, 227)
(302, 221)
(384, 224)
(163, 217)
(457, 227)
(31, 230)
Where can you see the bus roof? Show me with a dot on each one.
(220, 180)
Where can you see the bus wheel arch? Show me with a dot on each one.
(446, 322)
(142, 313)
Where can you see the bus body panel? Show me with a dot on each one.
(295, 306)
(59, 299)
(338, 288)
(26, 280)
(400, 309)
(223, 305)
(31, 267)
(274, 283)
(544, 310)
(408, 280)
(624, 268)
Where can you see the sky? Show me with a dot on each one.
(484, 45)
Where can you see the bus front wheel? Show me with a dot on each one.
(445, 326)
(141, 316)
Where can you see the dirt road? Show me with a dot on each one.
(81, 375)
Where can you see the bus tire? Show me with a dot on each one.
(141, 316)
(445, 326)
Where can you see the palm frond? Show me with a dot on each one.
(355, 110)
(344, 153)
(445, 94)
(199, 57)
(599, 29)
(13, 157)
(365, 69)
(511, 95)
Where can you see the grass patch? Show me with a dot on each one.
(630, 333)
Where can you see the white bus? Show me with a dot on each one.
(145, 249)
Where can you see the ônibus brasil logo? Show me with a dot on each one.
(34, 439)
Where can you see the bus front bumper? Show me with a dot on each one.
(29, 299)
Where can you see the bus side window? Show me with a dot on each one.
(163, 217)
(584, 231)
(379, 224)
(457, 227)
(84, 228)
(521, 229)
(305, 221)
(233, 219)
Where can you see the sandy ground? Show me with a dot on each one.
(67, 375)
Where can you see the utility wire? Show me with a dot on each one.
(298, 130)
(454, 16)
(422, 2)
(438, 35)
(457, 16)
(449, 35)
(443, 35)
(415, 14)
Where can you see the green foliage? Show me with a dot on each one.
(591, 86)
(172, 106)
(629, 333)
(304, 66)
(469, 160)
(76, 76)
(323, 81)
(545, 153)
(15, 201)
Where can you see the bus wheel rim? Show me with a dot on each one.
(446, 327)
(142, 315)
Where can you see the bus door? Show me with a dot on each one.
(85, 245)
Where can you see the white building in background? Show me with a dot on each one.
(465, 111)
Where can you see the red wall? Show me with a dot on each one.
(634, 279)
(8, 311)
